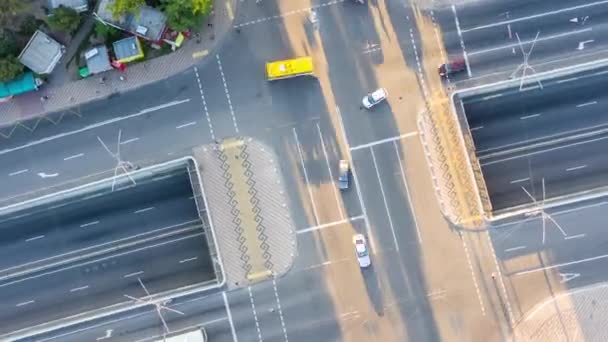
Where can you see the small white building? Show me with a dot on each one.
(42, 53)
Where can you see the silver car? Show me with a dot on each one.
(374, 98)
(361, 250)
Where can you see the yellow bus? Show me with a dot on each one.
(289, 68)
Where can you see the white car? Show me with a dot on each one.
(361, 250)
(374, 98)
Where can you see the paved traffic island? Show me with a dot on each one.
(247, 202)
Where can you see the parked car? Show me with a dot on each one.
(374, 98)
(343, 176)
(452, 67)
(361, 250)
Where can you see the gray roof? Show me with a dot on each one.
(126, 48)
(78, 5)
(99, 61)
(41, 53)
(147, 22)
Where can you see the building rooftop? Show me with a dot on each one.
(127, 49)
(148, 23)
(98, 59)
(42, 53)
(78, 5)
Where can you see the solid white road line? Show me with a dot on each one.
(407, 192)
(186, 125)
(388, 212)
(26, 303)
(383, 141)
(509, 46)
(586, 104)
(514, 249)
(229, 313)
(489, 97)
(74, 156)
(129, 141)
(133, 274)
(18, 172)
(576, 168)
(79, 288)
(34, 238)
(575, 236)
(464, 51)
(530, 116)
(519, 180)
(89, 224)
(82, 250)
(566, 80)
(543, 151)
(539, 269)
(143, 210)
(312, 201)
(331, 224)
(188, 260)
(93, 126)
(539, 15)
(331, 176)
(368, 229)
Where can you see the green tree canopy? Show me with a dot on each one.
(120, 7)
(10, 68)
(64, 19)
(186, 14)
(11, 8)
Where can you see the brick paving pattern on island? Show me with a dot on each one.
(247, 204)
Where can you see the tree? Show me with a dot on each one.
(120, 7)
(106, 32)
(11, 8)
(64, 19)
(186, 14)
(10, 68)
(8, 44)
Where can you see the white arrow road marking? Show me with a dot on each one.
(581, 45)
(566, 277)
(574, 20)
(108, 335)
(47, 175)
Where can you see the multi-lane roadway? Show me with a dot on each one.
(89, 249)
(422, 280)
(555, 133)
(552, 33)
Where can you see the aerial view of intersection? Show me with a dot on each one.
(303, 170)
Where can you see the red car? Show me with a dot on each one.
(453, 67)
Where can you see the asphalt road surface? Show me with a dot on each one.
(415, 289)
(96, 221)
(553, 133)
(89, 249)
(569, 32)
(569, 253)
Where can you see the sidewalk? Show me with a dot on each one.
(579, 315)
(74, 93)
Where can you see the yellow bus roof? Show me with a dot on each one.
(289, 67)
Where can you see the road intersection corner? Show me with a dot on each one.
(247, 203)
